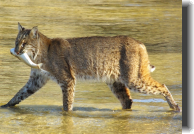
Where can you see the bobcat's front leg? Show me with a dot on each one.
(68, 94)
(36, 81)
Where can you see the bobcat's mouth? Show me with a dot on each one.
(25, 58)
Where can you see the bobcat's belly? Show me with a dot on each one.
(99, 75)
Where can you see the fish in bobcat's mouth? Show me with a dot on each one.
(26, 59)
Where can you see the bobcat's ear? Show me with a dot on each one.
(34, 32)
(20, 28)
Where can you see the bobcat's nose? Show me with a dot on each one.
(17, 52)
(13, 52)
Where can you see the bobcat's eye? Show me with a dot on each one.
(23, 44)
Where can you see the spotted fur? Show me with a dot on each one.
(120, 61)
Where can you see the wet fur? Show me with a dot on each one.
(120, 61)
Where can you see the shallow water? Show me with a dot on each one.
(157, 24)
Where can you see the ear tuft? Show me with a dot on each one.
(34, 32)
(20, 28)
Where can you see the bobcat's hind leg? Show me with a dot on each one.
(122, 93)
(35, 82)
(170, 99)
(150, 86)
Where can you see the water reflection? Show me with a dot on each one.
(51, 119)
(157, 24)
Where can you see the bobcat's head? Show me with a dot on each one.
(26, 41)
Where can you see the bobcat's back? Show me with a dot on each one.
(100, 57)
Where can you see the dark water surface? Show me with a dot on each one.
(158, 24)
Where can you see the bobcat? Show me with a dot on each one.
(120, 61)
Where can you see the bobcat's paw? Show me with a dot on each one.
(5, 106)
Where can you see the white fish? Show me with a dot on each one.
(26, 59)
